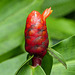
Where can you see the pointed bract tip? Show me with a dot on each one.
(46, 13)
(51, 11)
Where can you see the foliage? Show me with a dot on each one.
(67, 49)
(13, 14)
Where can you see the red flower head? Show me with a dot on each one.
(36, 36)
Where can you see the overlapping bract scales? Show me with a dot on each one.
(36, 36)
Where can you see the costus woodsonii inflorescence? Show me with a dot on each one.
(36, 36)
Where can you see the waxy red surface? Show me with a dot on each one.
(36, 36)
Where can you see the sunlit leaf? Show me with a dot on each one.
(12, 22)
(11, 54)
(29, 70)
(57, 56)
(25, 63)
(60, 28)
(67, 49)
(11, 66)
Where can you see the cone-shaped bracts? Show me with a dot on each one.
(36, 36)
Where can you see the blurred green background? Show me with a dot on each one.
(13, 14)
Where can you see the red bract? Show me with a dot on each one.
(36, 36)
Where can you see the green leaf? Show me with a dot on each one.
(29, 70)
(30, 57)
(12, 22)
(47, 63)
(58, 69)
(16, 7)
(60, 28)
(11, 54)
(67, 49)
(47, 66)
(38, 71)
(57, 56)
(59, 7)
(11, 66)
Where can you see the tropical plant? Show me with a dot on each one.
(61, 30)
